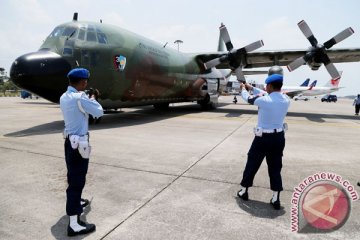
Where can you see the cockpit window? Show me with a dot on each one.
(102, 38)
(57, 32)
(88, 33)
(84, 32)
(91, 37)
(69, 32)
(81, 35)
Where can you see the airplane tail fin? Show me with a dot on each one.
(306, 83)
(313, 84)
(334, 82)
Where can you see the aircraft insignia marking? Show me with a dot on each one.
(120, 62)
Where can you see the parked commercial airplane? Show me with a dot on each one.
(330, 86)
(293, 91)
(130, 70)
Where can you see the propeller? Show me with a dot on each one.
(235, 57)
(316, 55)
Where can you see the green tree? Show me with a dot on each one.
(8, 85)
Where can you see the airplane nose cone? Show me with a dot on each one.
(43, 73)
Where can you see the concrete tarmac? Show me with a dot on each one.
(171, 174)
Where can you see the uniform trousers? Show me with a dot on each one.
(77, 168)
(271, 146)
(357, 108)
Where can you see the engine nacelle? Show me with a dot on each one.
(314, 65)
(313, 57)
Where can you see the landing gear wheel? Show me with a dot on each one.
(206, 104)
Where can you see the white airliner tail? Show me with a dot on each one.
(333, 83)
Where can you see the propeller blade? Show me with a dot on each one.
(307, 32)
(330, 67)
(240, 75)
(339, 37)
(212, 63)
(253, 46)
(226, 37)
(296, 63)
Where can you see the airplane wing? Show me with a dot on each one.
(281, 58)
(252, 72)
(315, 56)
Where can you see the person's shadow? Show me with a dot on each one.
(59, 229)
(259, 209)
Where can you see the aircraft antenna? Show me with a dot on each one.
(75, 18)
(165, 44)
(178, 43)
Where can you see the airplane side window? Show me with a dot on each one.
(81, 35)
(91, 37)
(94, 58)
(85, 58)
(102, 38)
(68, 52)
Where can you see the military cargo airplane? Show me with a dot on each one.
(130, 70)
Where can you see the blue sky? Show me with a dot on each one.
(26, 23)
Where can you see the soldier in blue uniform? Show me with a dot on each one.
(269, 138)
(356, 103)
(76, 107)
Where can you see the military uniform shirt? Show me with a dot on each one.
(272, 107)
(357, 101)
(76, 122)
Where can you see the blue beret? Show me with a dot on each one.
(274, 78)
(81, 73)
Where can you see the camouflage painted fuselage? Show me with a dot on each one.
(127, 69)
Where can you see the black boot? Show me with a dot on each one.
(244, 196)
(88, 228)
(276, 204)
(84, 202)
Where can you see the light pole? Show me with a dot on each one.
(178, 43)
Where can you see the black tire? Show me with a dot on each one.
(161, 106)
(206, 104)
